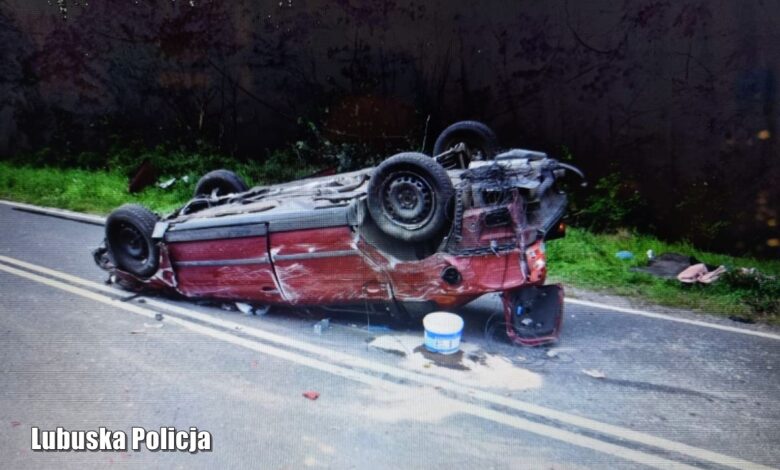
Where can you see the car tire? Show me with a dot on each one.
(129, 240)
(477, 136)
(224, 181)
(408, 197)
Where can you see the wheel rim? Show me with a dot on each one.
(132, 243)
(408, 200)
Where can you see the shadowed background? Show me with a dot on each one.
(669, 106)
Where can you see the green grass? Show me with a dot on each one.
(581, 259)
(97, 192)
(587, 260)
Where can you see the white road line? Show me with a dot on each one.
(661, 316)
(471, 409)
(355, 361)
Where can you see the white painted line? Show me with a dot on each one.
(61, 213)
(661, 316)
(355, 361)
(465, 407)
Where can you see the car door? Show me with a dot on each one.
(322, 265)
(223, 261)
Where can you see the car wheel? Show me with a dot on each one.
(129, 240)
(480, 140)
(408, 196)
(223, 181)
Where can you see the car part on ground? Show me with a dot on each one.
(405, 238)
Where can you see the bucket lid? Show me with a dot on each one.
(443, 323)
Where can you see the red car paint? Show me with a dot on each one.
(341, 264)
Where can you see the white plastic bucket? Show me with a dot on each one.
(442, 332)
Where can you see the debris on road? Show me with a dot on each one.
(158, 316)
(166, 184)
(153, 325)
(595, 373)
(246, 309)
(378, 329)
(262, 310)
(321, 326)
(311, 395)
(552, 353)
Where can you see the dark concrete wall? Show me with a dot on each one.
(679, 96)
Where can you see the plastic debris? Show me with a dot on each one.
(552, 353)
(245, 308)
(166, 184)
(321, 326)
(378, 329)
(311, 395)
(595, 373)
(624, 255)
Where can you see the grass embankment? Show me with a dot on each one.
(581, 259)
(587, 260)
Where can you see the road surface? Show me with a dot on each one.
(79, 354)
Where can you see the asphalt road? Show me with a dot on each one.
(81, 355)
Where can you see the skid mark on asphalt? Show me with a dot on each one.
(621, 433)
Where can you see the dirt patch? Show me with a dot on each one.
(450, 361)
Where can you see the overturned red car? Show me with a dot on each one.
(414, 234)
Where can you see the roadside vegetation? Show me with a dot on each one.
(585, 258)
